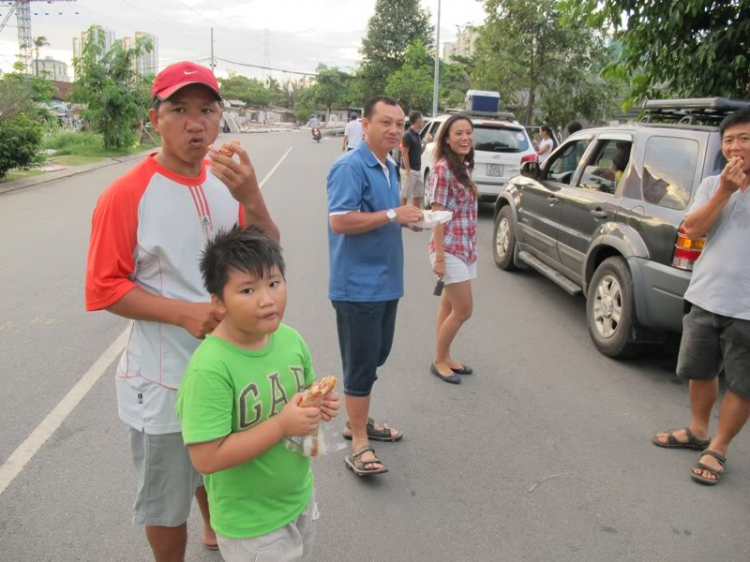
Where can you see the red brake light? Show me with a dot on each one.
(529, 158)
(687, 251)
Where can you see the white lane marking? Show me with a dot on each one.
(26, 450)
(269, 174)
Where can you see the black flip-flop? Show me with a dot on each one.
(673, 443)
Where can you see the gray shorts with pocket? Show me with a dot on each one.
(165, 477)
(712, 343)
(292, 543)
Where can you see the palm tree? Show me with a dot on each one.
(39, 42)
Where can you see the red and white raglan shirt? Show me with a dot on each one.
(148, 231)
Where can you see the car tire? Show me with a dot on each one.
(504, 240)
(610, 310)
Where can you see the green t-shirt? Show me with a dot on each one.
(227, 389)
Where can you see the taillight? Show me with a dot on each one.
(529, 158)
(687, 251)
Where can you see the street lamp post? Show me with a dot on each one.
(437, 66)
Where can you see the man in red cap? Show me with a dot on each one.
(148, 231)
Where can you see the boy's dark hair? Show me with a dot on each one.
(249, 251)
(415, 116)
(574, 127)
(374, 100)
(156, 104)
(740, 117)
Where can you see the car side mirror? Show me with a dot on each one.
(531, 170)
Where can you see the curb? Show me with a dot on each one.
(72, 171)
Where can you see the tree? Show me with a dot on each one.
(681, 48)
(393, 27)
(331, 86)
(21, 93)
(305, 105)
(106, 82)
(20, 143)
(39, 42)
(412, 85)
(531, 49)
(249, 90)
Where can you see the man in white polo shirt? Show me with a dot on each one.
(148, 231)
(716, 333)
(353, 133)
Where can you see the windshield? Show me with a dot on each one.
(499, 139)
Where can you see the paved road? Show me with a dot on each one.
(544, 455)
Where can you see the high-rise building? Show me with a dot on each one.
(464, 45)
(78, 42)
(148, 63)
(449, 49)
(52, 69)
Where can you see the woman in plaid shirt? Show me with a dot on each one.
(453, 246)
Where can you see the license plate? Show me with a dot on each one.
(495, 170)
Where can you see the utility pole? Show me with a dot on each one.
(213, 60)
(437, 67)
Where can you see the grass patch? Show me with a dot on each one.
(75, 149)
(13, 175)
(73, 160)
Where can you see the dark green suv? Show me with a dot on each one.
(602, 217)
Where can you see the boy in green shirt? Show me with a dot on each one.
(240, 398)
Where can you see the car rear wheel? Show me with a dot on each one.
(505, 240)
(609, 309)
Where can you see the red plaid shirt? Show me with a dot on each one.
(460, 233)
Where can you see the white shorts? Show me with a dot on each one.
(456, 271)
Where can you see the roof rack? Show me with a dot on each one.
(505, 115)
(692, 111)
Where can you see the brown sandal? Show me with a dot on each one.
(673, 443)
(385, 434)
(702, 466)
(359, 467)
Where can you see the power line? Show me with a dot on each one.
(261, 67)
(196, 11)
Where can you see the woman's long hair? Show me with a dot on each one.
(461, 170)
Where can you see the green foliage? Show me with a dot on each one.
(331, 87)
(393, 27)
(20, 93)
(305, 105)
(249, 90)
(116, 98)
(412, 85)
(20, 140)
(531, 49)
(69, 142)
(680, 48)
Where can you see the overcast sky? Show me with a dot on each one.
(302, 33)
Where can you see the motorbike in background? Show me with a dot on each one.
(316, 134)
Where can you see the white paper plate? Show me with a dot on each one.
(433, 218)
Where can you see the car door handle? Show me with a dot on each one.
(598, 213)
(553, 200)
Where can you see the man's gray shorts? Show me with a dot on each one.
(165, 477)
(292, 543)
(710, 343)
(412, 185)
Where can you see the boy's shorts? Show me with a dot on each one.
(366, 331)
(166, 479)
(292, 543)
(710, 343)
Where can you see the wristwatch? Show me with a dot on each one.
(391, 214)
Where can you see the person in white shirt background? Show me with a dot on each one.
(547, 145)
(353, 134)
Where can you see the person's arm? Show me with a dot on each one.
(346, 139)
(707, 209)
(357, 222)
(437, 235)
(405, 158)
(240, 179)
(241, 447)
(544, 148)
(197, 318)
(439, 185)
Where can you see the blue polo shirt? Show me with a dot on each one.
(365, 267)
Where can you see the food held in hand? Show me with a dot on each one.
(317, 392)
(226, 151)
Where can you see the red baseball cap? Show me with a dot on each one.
(180, 74)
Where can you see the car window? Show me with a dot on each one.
(562, 164)
(434, 126)
(489, 138)
(668, 171)
(425, 128)
(606, 166)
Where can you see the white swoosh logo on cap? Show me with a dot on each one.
(191, 72)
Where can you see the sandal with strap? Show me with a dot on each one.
(673, 443)
(703, 466)
(384, 434)
(354, 461)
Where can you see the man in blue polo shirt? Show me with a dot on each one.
(367, 269)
